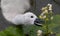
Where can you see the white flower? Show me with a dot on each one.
(43, 8)
(52, 18)
(42, 13)
(44, 17)
(46, 11)
(50, 6)
(39, 32)
(40, 17)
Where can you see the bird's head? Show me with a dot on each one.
(28, 18)
(31, 18)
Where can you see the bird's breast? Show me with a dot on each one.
(11, 8)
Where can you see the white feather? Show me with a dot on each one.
(13, 11)
(11, 8)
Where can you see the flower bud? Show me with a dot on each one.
(40, 17)
(39, 33)
(44, 17)
(52, 18)
(50, 6)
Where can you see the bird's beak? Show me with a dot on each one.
(38, 22)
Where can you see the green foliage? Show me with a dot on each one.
(11, 31)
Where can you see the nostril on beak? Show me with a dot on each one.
(39, 22)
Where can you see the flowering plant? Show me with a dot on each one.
(47, 16)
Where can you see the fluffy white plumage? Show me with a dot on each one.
(27, 18)
(13, 11)
(11, 8)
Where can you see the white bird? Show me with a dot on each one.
(13, 11)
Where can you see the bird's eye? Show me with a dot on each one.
(31, 16)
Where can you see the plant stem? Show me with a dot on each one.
(46, 28)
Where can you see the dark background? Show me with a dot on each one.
(38, 4)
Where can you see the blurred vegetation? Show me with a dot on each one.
(54, 26)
